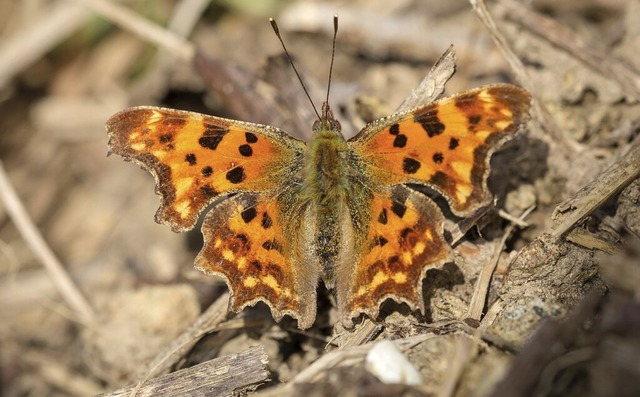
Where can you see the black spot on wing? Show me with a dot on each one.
(398, 208)
(208, 191)
(379, 240)
(239, 243)
(207, 171)
(210, 142)
(236, 175)
(431, 123)
(248, 214)
(213, 135)
(245, 150)
(394, 264)
(473, 120)
(408, 237)
(405, 232)
(453, 143)
(400, 141)
(256, 265)
(272, 245)
(250, 137)
(441, 180)
(410, 166)
(438, 158)
(266, 221)
(382, 218)
(190, 158)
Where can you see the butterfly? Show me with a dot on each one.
(288, 213)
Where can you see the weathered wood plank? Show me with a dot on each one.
(222, 376)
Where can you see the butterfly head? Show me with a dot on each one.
(326, 120)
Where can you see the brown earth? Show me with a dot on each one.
(543, 297)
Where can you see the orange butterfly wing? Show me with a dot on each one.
(197, 159)
(253, 240)
(250, 244)
(446, 145)
(403, 241)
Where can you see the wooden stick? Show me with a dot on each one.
(207, 321)
(151, 32)
(589, 198)
(30, 43)
(231, 375)
(588, 52)
(484, 279)
(18, 214)
(546, 120)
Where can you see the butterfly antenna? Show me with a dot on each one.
(274, 25)
(333, 55)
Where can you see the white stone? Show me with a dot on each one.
(389, 365)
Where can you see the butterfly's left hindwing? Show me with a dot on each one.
(403, 240)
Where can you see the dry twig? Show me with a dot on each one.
(484, 279)
(32, 236)
(223, 376)
(30, 44)
(520, 73)
(432, 86)
(207, 321)
(143, 28)
(589, 198)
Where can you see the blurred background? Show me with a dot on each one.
(67, 66)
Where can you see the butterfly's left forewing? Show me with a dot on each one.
(445, 145)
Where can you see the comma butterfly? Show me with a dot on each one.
(289, 213)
